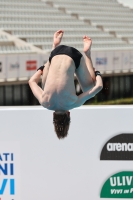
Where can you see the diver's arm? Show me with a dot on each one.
(82, 98)
(33, 83)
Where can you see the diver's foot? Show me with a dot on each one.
(87, 44)
(57, 37)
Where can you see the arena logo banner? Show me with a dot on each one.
(119, 185)
(101, 61)
(31, 65)
(119, 147)
(9, 172)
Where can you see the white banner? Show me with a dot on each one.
(117, 61)
(32, 63)
(13, 66)
(24, 66)
(43, 59)
(131, 61)
(98, 148)
(110, 66)
(126, 61)
(101, 61)
(2, 67)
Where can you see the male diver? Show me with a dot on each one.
(58, 91)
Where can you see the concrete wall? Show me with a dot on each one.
(46, 168)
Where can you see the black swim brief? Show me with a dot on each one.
(69, 51)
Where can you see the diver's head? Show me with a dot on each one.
(61, 121)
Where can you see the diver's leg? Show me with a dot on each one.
(56, 41)
(87, 52)
(85, 72)
(57, 38)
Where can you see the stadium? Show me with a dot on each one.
(41, 157)
(26, 31)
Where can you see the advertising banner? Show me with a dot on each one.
(101, 61)
(117, 61)
(32, 63)
(94, 161)
(126, 61)
(110, 66)
(131, 61)
(13, 66)
(119, 185)
(119, 147)
(24, 72)
(9, 171)
(24, 66)
(2, 67)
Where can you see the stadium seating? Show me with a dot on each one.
(110, 16)
(14, 49)
(35, 22)
(9, 45)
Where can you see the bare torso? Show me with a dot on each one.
(59, 91)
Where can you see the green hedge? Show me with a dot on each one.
(125, 101)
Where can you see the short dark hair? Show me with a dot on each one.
(61, 124)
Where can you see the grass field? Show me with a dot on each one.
(125, 101)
